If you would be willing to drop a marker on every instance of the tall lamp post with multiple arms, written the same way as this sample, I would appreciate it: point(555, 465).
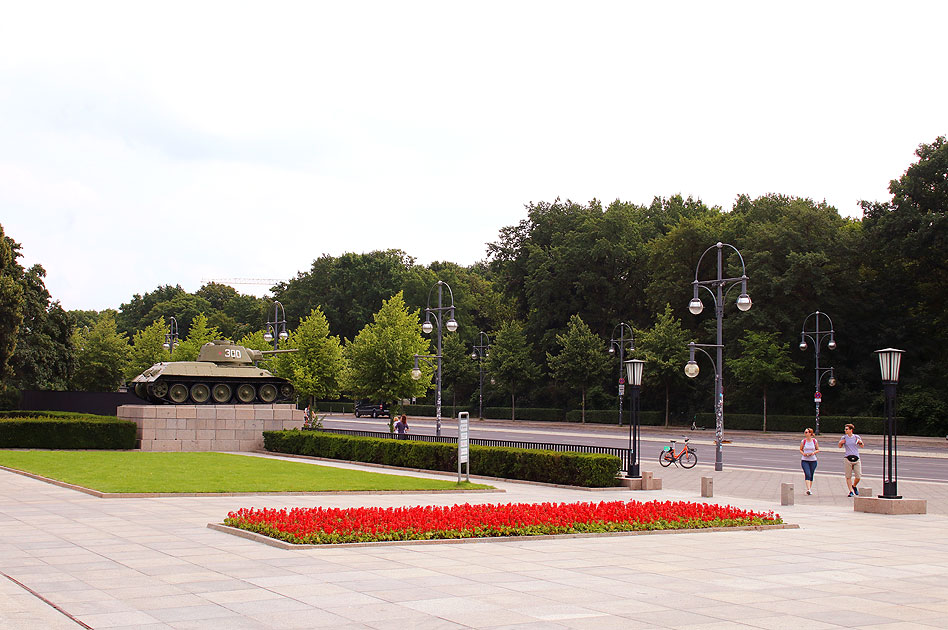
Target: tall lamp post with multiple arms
point(437, 314)
point(171, 337)
point(481, 349)
point(889, 360)
point(817, 336)
point(718, 288)
point(622, 344)
point(634, 369)
point(276, 330)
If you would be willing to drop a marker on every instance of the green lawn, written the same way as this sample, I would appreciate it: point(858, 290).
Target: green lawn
point(135, 471)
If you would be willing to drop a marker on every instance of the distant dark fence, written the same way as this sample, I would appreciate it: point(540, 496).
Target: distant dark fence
point(99, 403)
point(621, 453)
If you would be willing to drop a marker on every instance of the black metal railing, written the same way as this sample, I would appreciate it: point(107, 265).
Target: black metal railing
point(621, 453)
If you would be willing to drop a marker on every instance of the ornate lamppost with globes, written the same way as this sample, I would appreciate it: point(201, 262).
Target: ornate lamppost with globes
point(622, 344)
point(718, 288)
point(437, 314)
point(817, 336)
point(276, 330)
point(481, 350)
point(171, 337)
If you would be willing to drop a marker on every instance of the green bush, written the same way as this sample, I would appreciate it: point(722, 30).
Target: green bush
point(540, 414)
point(611, 416)
point(575, 469)
point(65, 430)
point(793, 424)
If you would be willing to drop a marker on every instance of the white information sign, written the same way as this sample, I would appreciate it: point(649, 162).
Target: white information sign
point(463, 444)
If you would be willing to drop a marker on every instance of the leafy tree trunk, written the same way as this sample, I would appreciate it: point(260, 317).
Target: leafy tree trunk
point(513, 406)
point(765, 410)
point(583, 414)
point(667, 401)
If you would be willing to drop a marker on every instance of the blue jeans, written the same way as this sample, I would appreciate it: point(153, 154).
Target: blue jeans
point(808, 469)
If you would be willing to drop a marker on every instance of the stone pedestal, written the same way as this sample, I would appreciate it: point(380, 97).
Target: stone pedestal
point(875, 505)
point(208, 427)
point(786, 494)
point(646, 482)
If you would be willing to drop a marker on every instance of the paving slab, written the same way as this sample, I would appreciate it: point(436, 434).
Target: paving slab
point(153, 563)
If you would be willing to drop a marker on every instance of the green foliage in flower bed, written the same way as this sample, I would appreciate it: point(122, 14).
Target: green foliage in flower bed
point(63, 430)
point(369, 524)
point(575, 469)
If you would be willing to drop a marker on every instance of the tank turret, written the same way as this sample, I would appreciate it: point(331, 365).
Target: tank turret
point(224, 373)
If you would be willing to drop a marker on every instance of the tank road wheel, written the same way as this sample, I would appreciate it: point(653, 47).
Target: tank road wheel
point(286, 390)
point(268, 392)
point(141, 391)
point(178, 393)
point(159, 389)
point(221, 393)
point(200, 393)
point(246, 393)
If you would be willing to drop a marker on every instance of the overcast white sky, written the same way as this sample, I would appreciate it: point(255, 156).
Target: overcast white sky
point(164, 143)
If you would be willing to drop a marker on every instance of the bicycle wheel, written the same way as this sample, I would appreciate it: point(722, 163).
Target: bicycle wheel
point(688, 459)
point(665, 458)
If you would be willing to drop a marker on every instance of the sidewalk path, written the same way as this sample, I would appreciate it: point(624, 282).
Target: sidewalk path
point(153, 563)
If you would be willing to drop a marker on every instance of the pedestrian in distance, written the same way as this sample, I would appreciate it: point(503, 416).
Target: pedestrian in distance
point(401, 427)
point(809, 447)
point(852, 465)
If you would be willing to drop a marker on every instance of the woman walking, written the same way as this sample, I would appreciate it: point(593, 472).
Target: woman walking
point(809, 447)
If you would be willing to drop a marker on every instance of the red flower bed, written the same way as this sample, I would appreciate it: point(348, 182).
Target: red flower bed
point(367, 524)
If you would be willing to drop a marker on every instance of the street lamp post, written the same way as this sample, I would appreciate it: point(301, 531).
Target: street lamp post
point(619, 343)
point(171, 337)
point(481, 350)
point(276, 330)
point(816, 336)
point(634, 369)
point(889, 360)
point(438, 313)
point(718, 288)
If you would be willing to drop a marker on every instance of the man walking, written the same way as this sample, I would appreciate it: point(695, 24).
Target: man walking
point(851, 464)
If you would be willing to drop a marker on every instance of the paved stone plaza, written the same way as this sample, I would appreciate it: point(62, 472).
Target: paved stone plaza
point(153, 563)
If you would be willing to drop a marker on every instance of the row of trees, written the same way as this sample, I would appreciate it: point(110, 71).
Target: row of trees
point(554, 286)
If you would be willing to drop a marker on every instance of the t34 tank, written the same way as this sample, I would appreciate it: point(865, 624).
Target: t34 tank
point(223, 373)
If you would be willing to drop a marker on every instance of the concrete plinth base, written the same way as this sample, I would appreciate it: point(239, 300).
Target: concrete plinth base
point(208, 427)
point(876, 505)
point(646, 482)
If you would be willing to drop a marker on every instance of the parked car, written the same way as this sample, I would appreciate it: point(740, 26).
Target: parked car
point(369, 408)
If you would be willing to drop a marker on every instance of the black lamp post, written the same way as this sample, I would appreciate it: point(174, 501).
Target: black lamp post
point(622, 344)
point(438, 313)
point(817, 336)
point(634, 369)
point(889, 361)
point(718, 288)
point(481, 350)
point(276, 330)
point(171, 337)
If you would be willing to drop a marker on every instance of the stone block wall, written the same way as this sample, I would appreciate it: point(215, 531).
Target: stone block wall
point(208, 427)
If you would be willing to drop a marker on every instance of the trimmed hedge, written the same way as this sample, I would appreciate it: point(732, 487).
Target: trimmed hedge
point(793, 424)
point(611, 416)
point(576, 469)
point(63, 430)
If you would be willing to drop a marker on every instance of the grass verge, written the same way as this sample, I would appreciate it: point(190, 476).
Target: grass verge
point(135, 471)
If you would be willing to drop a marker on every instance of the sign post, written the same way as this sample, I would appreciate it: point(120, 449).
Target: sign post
point(463, 444)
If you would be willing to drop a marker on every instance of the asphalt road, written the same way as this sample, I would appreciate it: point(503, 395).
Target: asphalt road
point(919, 460)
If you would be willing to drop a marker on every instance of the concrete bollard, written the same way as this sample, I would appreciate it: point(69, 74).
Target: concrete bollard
point(786, 494)
point(646, 480)
point(707, 486)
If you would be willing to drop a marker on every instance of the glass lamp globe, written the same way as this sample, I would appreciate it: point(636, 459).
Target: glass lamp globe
point(284, 335)
point(268, 336)
point(166, 346)
point(832, 381)
point(691, 369)
point(744, 302)
point(832, 344)
point(451, 325)
point(695, 306)
point(415, 373)
point(802, 345)
point(612, 349)
point(427, 328)
point(474, 355)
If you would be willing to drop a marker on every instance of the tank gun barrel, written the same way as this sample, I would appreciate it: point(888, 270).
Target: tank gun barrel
point(279, 351)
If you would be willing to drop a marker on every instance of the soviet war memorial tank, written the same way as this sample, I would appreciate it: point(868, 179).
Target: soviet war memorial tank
point(223, 373)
